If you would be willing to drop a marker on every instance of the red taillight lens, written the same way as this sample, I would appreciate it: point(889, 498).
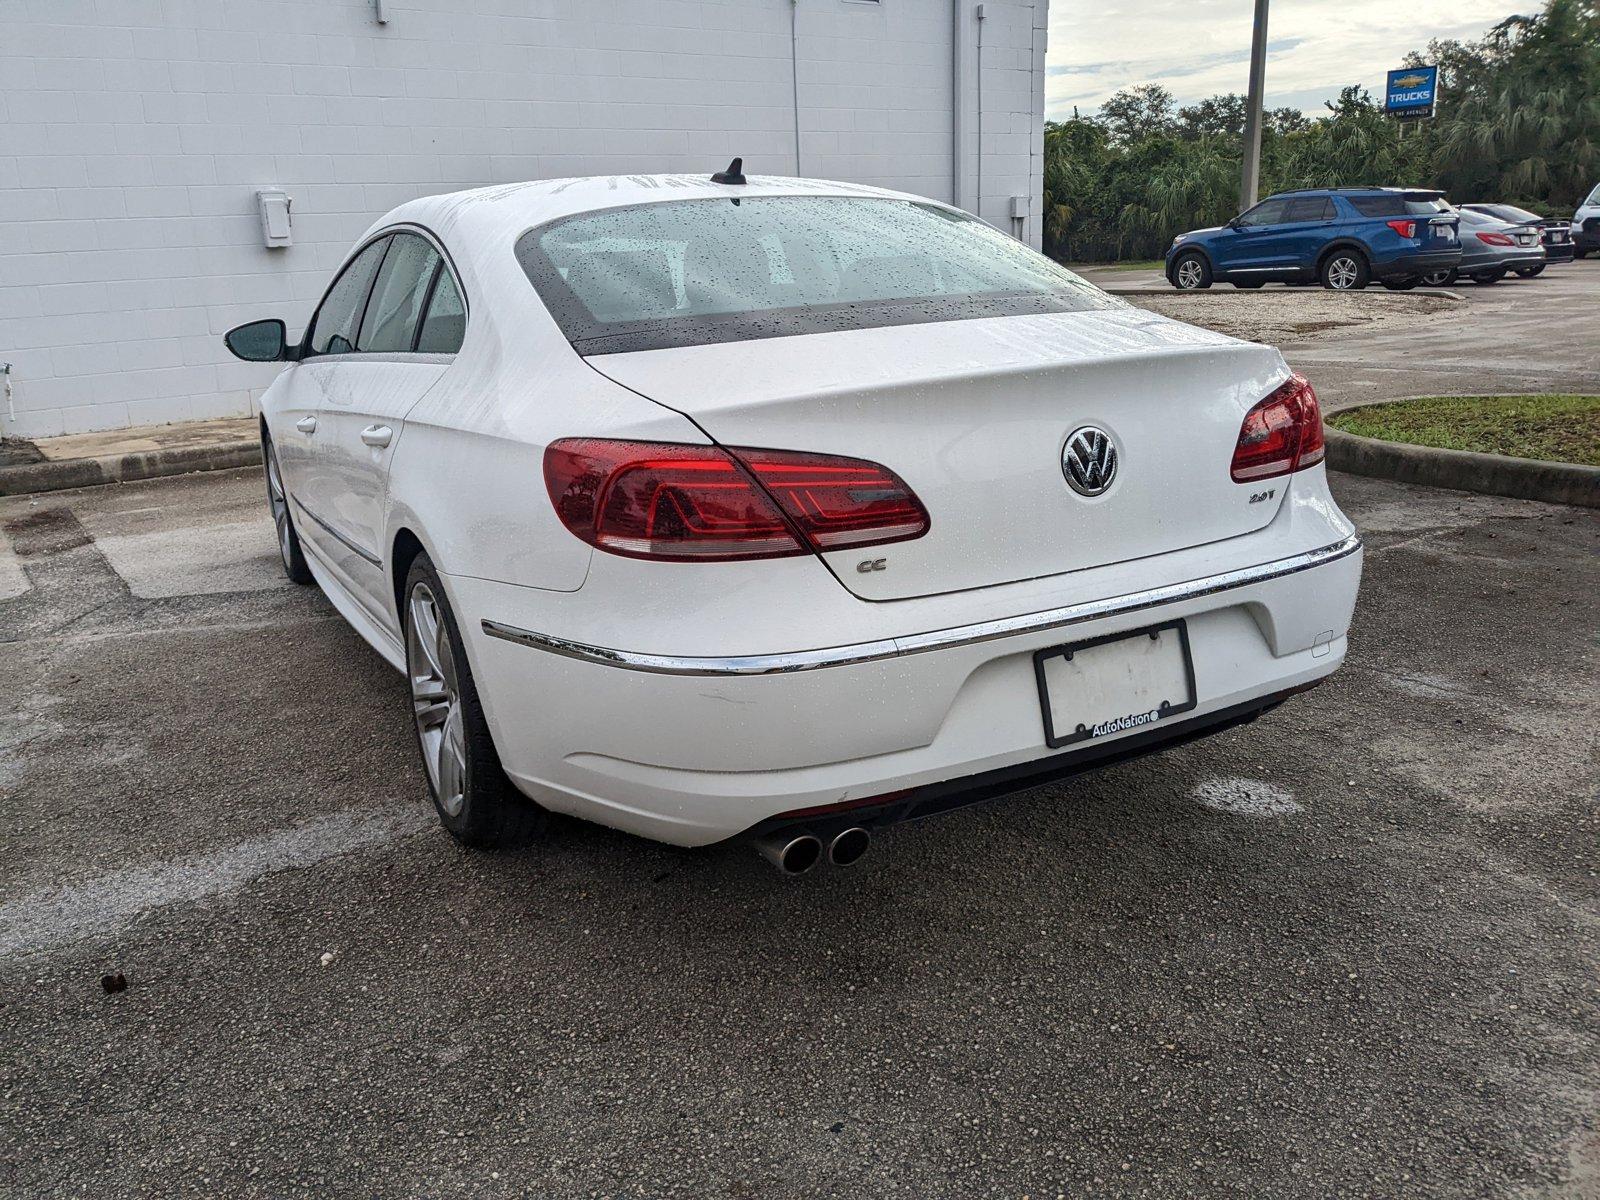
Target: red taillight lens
point(696, 503)
point(1281, 434)
point(837, 502)
point(1405, 229)
point(1497, 239)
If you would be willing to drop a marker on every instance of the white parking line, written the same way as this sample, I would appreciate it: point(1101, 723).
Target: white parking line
point(54, 917)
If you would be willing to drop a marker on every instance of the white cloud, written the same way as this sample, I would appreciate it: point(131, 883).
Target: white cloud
point(1196, 48)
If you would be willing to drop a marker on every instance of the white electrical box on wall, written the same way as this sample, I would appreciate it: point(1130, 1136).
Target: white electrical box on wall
point(1019, 208)
point(276, 228)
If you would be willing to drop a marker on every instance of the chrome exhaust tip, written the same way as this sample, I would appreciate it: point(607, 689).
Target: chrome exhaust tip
point(791, 853)
point(848, 846)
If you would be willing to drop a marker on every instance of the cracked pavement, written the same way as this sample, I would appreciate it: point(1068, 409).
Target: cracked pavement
point(1350, 950)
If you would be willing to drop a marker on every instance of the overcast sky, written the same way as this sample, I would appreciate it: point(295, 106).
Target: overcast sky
point(1196, 48)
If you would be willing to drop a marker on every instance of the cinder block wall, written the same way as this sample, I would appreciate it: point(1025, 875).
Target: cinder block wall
point(134, 135)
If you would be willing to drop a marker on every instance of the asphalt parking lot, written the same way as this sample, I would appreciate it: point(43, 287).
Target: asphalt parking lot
point(1348, 951)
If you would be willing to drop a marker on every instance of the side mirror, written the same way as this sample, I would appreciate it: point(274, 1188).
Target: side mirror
point(259, 341)
point(1235, 224)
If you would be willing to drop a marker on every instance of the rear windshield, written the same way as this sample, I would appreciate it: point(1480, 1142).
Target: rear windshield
point(691, 272)
point(1511, 213)
point(1397, 206)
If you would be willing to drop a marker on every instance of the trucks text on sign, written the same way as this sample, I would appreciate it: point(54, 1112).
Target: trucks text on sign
point(1411, 91)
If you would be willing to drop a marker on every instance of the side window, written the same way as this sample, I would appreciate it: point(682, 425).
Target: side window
point(446, 321)
point(1314, 209)
point(398, 295)
point(333, 328)
point(1379, 206)
point(1268, 212)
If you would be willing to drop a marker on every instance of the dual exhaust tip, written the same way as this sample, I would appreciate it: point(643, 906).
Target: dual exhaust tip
point(796, 853)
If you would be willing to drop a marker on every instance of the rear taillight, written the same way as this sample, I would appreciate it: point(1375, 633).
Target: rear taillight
point(1497, 239)
point(1281, 434)
point(696, 503)
point(1405, 229)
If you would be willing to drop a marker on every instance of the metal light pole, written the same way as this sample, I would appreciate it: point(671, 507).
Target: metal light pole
point(1250, 182)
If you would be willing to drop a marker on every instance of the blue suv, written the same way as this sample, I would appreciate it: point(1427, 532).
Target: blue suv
point(1343, 238)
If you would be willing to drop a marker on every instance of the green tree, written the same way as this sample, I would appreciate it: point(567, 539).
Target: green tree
point(1138, 112)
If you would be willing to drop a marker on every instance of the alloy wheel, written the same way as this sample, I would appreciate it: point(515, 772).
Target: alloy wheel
point(436, 699)
point(1437, 279)
point(1342, 273)
point(1189, 273)
point(278, 500)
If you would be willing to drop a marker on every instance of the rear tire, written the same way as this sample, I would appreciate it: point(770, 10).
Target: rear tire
point(1441, 278)
point(1345, 271)
point(1485, 278)
point(474, 798)
point(1191, 273)
point(289, 552)
point(1532, 272)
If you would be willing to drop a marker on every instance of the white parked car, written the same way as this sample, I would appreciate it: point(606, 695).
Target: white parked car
point(1586, 224)
point(786, 509)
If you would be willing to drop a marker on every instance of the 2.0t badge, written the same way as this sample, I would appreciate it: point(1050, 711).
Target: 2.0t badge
point(1089, 460)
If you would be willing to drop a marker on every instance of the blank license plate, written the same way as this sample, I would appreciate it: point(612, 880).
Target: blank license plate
point(1115, 684)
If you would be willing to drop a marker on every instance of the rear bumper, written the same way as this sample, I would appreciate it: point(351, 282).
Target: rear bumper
point(1561, 252)
point(693, 748)
point(936, 798)
point(1417, 264)
point(1505, 262)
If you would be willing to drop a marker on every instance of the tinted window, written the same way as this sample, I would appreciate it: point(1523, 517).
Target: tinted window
point(1319, 209)
point(688, 272)
point(397, 298)
point(446, 321)
point(1379, 206)
point(1509, 212)
point(333, 329)
point(1268, 212)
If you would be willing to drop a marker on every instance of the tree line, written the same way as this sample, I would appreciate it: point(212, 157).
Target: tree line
point(1518, 122)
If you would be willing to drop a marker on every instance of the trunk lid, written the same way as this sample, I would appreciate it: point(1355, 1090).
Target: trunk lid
point(974, 415)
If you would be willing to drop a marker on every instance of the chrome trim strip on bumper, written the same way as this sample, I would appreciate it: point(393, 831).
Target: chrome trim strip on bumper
point(921, 643)
point(336, 535)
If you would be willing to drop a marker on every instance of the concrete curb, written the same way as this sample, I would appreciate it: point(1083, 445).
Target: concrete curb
point(54, 476)
point(1463, 470)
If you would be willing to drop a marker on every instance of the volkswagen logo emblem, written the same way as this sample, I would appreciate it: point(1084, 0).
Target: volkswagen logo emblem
point(1089, 461)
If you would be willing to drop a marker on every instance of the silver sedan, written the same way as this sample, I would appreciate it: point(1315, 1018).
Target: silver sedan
point(1491, 249)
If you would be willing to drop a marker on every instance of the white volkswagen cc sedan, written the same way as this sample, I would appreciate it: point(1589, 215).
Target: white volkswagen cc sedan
point(789, 509)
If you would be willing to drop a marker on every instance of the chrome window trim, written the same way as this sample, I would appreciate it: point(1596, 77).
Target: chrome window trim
point(922, 643)
point(388, 230)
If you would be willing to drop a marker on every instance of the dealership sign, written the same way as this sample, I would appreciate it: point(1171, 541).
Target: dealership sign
point(1411, 91)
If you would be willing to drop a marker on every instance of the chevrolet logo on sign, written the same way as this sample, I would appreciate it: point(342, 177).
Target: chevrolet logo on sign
point(1411, 91)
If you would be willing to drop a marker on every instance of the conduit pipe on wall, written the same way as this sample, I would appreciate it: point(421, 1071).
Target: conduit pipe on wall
point(794, 75)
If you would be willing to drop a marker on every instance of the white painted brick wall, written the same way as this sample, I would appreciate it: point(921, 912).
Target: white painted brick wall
point(135, 133)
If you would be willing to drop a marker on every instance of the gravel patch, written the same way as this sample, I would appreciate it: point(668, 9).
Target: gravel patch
point(1292, 314)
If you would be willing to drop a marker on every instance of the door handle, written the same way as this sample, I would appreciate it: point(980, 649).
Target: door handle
point(306, 424)
point(377, 435)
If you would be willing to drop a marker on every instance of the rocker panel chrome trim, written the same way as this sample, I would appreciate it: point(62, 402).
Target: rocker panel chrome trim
point(341, 538)
point(922, 643)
